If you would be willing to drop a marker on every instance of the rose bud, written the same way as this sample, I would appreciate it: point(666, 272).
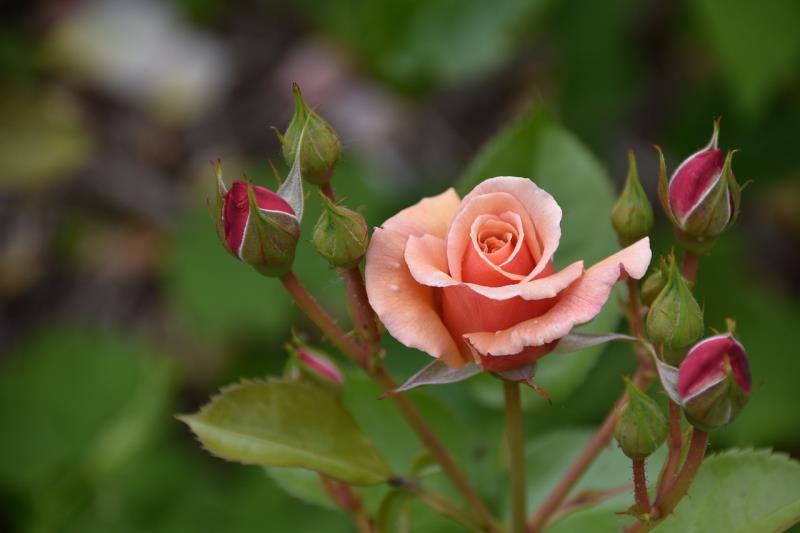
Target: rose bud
point(641, 426)
point(318, 366)
point(714, 381)
point(321, 145)
point(674, 320)
point(341, 235)
point(654, 284)
point(632, 215)
point(257, 226)
point(702, 197)
point(473, 280)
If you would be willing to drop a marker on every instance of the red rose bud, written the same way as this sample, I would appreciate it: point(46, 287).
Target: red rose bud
point(257, 226)
point(318, 366)
point(674, 320)
point(632, 215)
point(702, 197)
point(714, 381)
point(641, 426)
point(341, 235)
point(321, 146)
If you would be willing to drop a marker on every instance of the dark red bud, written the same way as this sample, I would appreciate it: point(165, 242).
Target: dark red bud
point(236, 211)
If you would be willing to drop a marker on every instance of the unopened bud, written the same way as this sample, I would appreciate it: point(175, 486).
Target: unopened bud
point(320, 148)
point(714, 381)
point(641, 426)
point(674, 319)
point(257, 226)
point(318, 365)
point(632, 215)
point(654, 284)
point(341, 235)
point(702, 197)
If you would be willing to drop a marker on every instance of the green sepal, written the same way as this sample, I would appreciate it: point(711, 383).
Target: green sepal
point(632, 215)
point(322, 148)
point(641, 426)
point(270, 239)
point(674, 319)
point(663, 186)
point(341, 235)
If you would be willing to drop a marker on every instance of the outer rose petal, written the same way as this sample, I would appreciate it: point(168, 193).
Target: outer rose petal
point(429, 215)
point(541, 207)
point(405, 307)
point(580, 303)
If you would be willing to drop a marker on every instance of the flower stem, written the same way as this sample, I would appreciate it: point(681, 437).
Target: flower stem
point(694, 458)
point(362, 357)
point(349, 501)
point(641, 379)
point(690, 265)
point(517, 455)
point(640, 486)
point(675, 444)
point(360, 310)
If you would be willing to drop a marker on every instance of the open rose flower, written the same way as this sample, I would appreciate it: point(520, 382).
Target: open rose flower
point(473, 279)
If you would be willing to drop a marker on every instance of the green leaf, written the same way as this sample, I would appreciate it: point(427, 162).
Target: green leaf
point(538, 148)
point(291, 423)
point(740, 491)
point(77, 405)
point(305, 485)
point(757, 44)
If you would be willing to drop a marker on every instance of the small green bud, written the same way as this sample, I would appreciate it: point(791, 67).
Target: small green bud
point(641, 427)
point(653, 284)
point(321, 145)
point(632, 215)
point(341, 235)
point(674, 319)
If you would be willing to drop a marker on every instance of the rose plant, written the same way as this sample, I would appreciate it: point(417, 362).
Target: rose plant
point(473, 283)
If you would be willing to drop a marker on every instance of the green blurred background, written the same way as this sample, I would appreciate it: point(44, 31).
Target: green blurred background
point(120, 308)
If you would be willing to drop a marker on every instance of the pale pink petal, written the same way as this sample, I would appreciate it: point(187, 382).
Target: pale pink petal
point(405, 307)
point(578, 304)
point(459, 235)
point(427, 261)
point(429, 215)
point(543, 212)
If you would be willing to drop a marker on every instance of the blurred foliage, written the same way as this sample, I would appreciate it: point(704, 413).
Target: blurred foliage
point(98, 354)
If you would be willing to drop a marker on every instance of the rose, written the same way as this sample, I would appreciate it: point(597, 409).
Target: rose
point(473, 279)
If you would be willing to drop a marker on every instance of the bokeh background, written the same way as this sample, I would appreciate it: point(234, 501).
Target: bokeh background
point(119, 308)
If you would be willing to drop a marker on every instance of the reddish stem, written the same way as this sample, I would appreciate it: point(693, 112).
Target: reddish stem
point(675, 443)
point(602, 436)
point(640, 486)
point(360, 310)
point(690, 265)
point(349, 501)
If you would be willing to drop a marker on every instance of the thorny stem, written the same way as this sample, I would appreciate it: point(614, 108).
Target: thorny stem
point(516, 454)
point(363, 316)
point(349, 501)
point(641, 379)
point(308, 304)
point(694, 458)
point(640, 486)
point(675, 444)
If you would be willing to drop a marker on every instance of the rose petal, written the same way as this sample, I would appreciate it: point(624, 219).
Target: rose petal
point(503, 266)
point(427, 261)
point(235, 212)
point(405, 307)
point(429, 215)
point(459, 235)
point(693, 180)
point(705, 365)
point(543, 212)
point(578, 304)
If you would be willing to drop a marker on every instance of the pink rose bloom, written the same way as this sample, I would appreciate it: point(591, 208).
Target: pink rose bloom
point(473, 279)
